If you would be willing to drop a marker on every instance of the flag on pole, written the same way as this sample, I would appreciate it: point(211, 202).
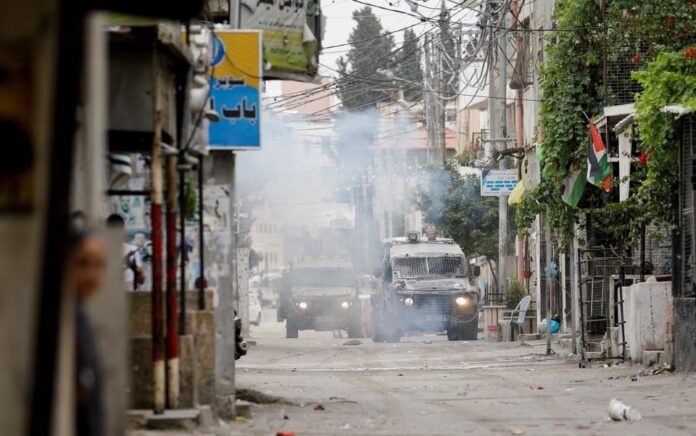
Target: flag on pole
point(517, 194)
point(599, 171)
point(574, 184)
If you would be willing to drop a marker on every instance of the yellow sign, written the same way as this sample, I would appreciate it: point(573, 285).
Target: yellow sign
point(237, 54)
point(236, 89)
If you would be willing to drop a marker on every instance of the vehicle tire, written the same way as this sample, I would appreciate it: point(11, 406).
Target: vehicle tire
point(377, 328)
point(393, 336)
point(383, 330)
point(469, 331)
point(464, 332)
point(454, 333)
point(355, 321)
point(354, 329)
point(291, 330)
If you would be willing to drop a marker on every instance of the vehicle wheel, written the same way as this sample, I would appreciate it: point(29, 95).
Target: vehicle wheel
point(464, 332)
point(383, 330)
point(355, 322)
point(377, 328)
point(454, 333)
point(291, 330)
point(393, 336)
point(354, 329)
point(469, 331)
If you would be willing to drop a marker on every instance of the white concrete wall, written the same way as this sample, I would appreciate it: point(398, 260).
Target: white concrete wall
point(644, 309)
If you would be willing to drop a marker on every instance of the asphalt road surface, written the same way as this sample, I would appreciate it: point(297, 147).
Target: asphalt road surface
point(425, 385)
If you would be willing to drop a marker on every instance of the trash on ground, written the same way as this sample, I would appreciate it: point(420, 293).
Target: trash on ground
point(257, 397)
point(619, 411)
point(536, 387)
point(319, 407)
point(353, 342)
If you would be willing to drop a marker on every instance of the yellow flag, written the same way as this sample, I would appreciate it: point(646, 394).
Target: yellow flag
point(517, 193)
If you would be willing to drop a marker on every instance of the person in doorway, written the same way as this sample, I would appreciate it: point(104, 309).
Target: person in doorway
point(133, 273)
point(85, 272)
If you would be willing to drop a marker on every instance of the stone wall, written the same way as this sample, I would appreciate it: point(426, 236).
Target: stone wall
point(196, 352)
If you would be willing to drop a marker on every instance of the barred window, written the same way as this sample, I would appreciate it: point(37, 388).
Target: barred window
point(419, 267)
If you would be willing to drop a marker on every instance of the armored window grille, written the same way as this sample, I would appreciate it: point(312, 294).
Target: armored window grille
point(411, 267)
point(407, 267)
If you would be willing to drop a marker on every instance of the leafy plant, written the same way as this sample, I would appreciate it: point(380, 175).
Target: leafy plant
point(453, 203)
point(645, 34)
point(514, 292)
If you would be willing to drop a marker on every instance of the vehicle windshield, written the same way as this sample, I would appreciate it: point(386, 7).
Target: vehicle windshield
point(324, 277)
point(428, 267)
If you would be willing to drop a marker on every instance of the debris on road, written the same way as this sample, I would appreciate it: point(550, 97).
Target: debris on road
point(619, 411)
point(319, 407)
point(536, 387)
point(353, 342)
point(257, 397)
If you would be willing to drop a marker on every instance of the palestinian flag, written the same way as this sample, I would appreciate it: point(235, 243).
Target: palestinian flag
point(574, 184)
point(599, 171)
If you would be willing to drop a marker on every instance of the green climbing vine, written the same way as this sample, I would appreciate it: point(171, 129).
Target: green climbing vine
point(655, 37)
point(571, 74)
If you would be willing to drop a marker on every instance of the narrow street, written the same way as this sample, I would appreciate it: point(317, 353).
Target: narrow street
point(427, 385)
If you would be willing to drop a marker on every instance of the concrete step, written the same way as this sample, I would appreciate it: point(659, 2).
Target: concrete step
point(178, 419)
point(242, 408)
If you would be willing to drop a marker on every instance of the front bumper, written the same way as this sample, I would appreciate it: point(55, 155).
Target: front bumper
point(434, 311)
point(323, 314)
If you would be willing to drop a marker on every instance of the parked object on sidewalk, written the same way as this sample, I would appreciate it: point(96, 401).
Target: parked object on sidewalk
point(619, 411)
point(241, 345)
point(555, 326)
point(254, 309)
point(510, 321)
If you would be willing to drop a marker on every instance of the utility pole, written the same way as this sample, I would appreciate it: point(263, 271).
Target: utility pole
point(497, 89)
point(171, 307)
point(502, 124)
point(429, 99)
point(440, 97)
point(157, 304)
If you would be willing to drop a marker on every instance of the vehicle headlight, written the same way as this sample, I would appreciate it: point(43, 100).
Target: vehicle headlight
point(462, 301)
point(408, 301)
point(345, 305)
point(302, 305)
